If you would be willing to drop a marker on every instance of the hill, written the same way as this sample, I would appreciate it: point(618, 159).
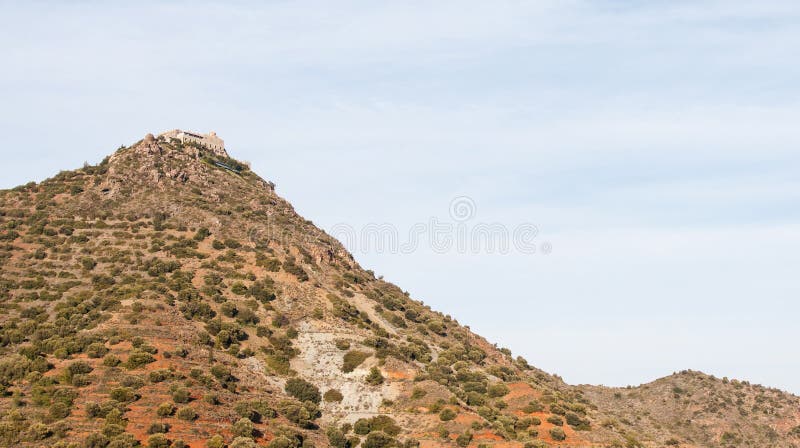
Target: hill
point(169, 297)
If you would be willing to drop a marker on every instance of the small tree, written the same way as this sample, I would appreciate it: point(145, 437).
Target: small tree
point(333, 396)
point(447, 414)
point(243, 428)
point(374, 378)
point(557, 434)
point(303, 390)
point(216, 442)
point(186, 413)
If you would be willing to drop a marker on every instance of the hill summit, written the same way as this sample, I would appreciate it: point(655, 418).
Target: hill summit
point(169, 297)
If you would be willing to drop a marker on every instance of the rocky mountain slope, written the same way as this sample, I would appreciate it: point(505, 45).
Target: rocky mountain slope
point(169, 297)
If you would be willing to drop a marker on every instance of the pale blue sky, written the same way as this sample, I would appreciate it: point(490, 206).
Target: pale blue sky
point(654, 144)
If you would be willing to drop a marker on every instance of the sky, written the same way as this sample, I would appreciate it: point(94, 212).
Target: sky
point(653, 145)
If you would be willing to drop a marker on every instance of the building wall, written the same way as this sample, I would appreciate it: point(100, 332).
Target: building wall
point(210, 141)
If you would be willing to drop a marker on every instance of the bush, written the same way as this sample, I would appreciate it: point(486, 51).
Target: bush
point(298, 413)
point(96, 350)
point(138, 359)
point(557, 434)
point(78, 368)
point(556, 420)
point(281, 442)
point(59, 410)
point(165, 409)
point(243, 428)
point(464, 439)
point(239, 289)
point(157, 441)
point(123, 394)
point(186, 413)
point(577, 422)
point(447, 414)
point(158, 428)
point(217, 441)
point(374, 378)
point(111, 361)
point(95, 440)
point(333, 396)
point(378, 440)
point(303, 390)
point(37, 431)
point(353, 359)
point(125, 441)
point(533, 406)
point(498, 390)
point(157, 376)
point(211, 399)
point(181, 395)
point(336, 438)
point(202, 233)
point(243, 442)
point(382, 423)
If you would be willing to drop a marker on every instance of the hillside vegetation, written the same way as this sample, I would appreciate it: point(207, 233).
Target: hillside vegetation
point(168, 297)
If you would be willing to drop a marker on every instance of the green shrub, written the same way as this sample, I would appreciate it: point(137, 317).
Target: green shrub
point(557, 434)
point(37, 431)
point(123, 394)
point(181, 395)
point(336, 438)
point(157, 441)
point(447, 414)
point(158, 428)
point(239, 289)
point(303, 390)
point(577, 421)
point(298, 413)
point(186, 413)
point(165, 409)
point(353, 359)
point(498, 390)
point(79, 367)
point(217, 441)
point(292, 268)
point(555, 420)
point(111, 361)
point(464, 439)
point(157, 376)
point(378, 440)
point(138, 359)
point(96, 350)
point(202, 234)
point(95, 440)
point(59, 410)
point(243, 428)
point(333, 396)
point(533, 406)
point(282, 442)
point(243, 442)
point(374, 377)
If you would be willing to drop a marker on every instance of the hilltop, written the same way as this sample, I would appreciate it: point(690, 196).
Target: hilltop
point(169, 297)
